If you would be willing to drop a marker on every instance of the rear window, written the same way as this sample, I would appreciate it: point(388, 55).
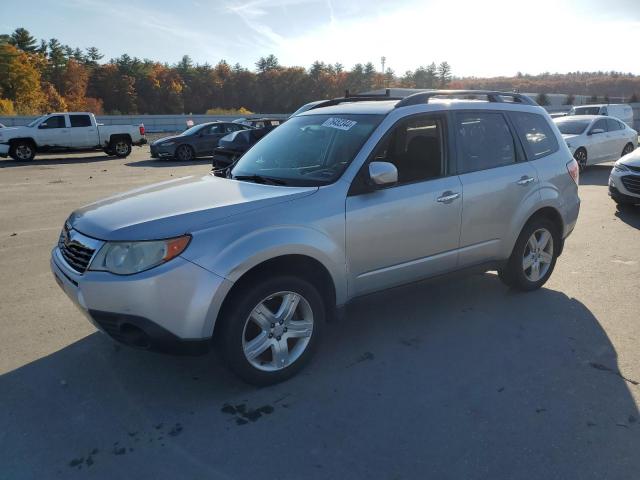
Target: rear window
point(536, 134)
point(586, 111)
point(80, 120)
point(572, 127)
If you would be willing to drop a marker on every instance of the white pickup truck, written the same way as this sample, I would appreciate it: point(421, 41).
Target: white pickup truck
point(73, 131)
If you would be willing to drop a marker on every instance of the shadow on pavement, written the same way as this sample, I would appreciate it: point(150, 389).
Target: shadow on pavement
point(457, 380)
point(629, 214)
point(596, 175)
point(65, 160)
point(162, 163)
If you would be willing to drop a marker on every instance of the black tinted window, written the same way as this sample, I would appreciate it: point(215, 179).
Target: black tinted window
point(613, 125)
point(415, 148)
point(536, 135)
point(80, 120)
point(484, 141)
point(57, 121)
point(600, 124)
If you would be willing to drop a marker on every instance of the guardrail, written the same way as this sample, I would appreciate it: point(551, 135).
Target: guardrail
point(152, 123)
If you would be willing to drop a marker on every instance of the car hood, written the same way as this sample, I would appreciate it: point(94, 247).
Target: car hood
point(7, 133)
point(172, 208)
point(631, 159)
point(568, 137)
point(164, 139)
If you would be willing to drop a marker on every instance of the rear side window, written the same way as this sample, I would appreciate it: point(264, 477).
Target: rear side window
point(484, 141)
point(614, 125)
point(80, 120)
point(535, 133)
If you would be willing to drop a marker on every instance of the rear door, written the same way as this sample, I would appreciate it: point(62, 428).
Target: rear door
point(496, 180)
point(83, 133)
point(409, 230)
point(619, 138)
point(54, 132)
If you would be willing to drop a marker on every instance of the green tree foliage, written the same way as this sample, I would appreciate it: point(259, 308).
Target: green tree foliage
point(23, 40)
point(444, 74)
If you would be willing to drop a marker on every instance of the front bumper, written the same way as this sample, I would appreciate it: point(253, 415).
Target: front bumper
point(171, 308)
point(4, 150)
point(624, 186)
point(158, 151)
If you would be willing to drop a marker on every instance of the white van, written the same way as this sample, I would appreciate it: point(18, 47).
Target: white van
point(621, 111)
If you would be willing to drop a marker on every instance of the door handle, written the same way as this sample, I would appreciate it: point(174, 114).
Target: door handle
point(525, 180)
point(448, 197)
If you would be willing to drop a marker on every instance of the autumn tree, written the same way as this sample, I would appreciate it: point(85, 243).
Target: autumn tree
point(20, 81)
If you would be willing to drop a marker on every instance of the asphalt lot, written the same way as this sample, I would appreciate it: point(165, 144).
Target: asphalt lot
point(462, 379)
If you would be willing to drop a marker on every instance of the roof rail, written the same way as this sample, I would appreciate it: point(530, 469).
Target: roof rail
point(357, 97)
point(492, 96)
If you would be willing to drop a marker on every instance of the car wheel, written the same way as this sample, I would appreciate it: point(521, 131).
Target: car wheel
point(270, 329)
point(534, 256)
point(23, 151)
point(581, 157)
point(121, 147)
point(628, 148)
point(184, 153)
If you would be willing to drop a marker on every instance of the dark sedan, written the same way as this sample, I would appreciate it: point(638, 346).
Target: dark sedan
point(198, 141)
point(234, 145)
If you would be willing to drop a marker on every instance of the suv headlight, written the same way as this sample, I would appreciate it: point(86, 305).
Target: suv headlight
point(619, 167)
point(126, 258)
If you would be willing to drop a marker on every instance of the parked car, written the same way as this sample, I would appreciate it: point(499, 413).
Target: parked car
point(69, 132)
point(197, 141)
point(621, 111)
point(336, 203)
point(595, 139)
point(624, 180)
point(234, 145)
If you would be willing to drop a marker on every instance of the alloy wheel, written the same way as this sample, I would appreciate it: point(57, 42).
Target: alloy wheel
point(277, 331)
point(538, 255)
point(24, 152)
point(581, 158)
point(122, 148)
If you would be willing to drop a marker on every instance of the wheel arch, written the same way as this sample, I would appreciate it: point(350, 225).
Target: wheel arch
point(13, 141)
point(300, 265)
point(551, 214)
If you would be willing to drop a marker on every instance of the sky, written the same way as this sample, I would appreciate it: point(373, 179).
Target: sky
point(483, 39)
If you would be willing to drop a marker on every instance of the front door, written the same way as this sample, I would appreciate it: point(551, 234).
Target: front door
point(53, 132)
point(410, 230)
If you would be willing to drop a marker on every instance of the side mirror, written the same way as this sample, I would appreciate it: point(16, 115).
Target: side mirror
point(383, 173)
point(43, 125)
point(595, 131)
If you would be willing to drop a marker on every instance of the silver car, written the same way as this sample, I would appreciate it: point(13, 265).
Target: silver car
point(340, 201)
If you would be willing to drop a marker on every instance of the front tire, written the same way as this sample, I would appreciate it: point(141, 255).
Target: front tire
point(184, 153)
point(534, 256)
point(581, 157)
point(23, 151)
point(121, 147)
point(270, 328)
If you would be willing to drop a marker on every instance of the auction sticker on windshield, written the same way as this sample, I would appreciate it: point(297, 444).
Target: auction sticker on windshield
point(339, 123)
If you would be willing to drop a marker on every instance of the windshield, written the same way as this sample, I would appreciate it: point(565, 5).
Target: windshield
point(308, 150)
point(192, 130)
point(585, 111)
point(33, 123)
point(573, 127)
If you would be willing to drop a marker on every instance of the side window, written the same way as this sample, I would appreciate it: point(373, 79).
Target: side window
point(215, 129)
point(613, 125)
point(536, 135)
point(415, 147)
point(484, 141)
point(56, 121)
point(600, 124)
point(80, 120)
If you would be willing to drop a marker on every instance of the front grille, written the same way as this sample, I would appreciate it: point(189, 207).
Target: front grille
point(75, 253)
point(631, 183)
point(633, 169)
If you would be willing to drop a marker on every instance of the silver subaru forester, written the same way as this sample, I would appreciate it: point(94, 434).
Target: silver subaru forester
point(355, 195)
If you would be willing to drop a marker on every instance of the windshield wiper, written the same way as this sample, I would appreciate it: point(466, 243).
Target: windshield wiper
point(259, 179)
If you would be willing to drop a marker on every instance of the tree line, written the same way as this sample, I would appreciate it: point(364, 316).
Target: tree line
point(41, 76)
point(38, 76)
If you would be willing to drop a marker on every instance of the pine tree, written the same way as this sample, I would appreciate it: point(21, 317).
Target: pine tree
point(444, 74)
point(22, 39)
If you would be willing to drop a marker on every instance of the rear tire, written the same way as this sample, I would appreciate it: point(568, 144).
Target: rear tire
point(628, 148)
point(22, 151)
point(121, 147)
point(258, 340)
point(534, 256)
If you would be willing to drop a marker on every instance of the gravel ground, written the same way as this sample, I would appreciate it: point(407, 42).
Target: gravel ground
point(456, 379)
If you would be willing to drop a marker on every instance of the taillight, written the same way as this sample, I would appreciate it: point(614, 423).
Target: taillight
point(574, 171)
point(141, 127)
